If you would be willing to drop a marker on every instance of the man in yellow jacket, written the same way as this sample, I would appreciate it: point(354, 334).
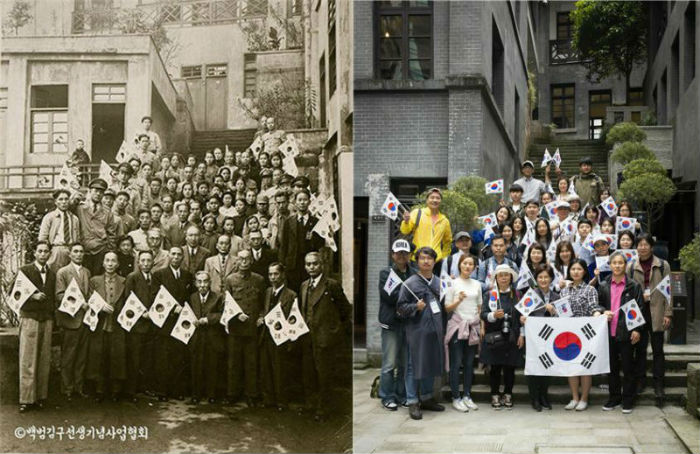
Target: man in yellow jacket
point(429, 227)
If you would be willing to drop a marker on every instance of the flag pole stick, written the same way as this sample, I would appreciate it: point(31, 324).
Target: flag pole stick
point(409, 289)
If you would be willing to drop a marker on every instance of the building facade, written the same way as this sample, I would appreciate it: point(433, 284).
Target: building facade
point(441, 92)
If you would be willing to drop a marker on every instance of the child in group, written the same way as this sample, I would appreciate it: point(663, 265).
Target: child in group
point(602, 249)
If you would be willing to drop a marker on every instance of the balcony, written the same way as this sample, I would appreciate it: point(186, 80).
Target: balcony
point(180, 13)
point(561, 52)
point(22, 182)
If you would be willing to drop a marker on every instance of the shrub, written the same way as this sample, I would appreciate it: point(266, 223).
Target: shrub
point(624, 132)
point(631, 151)
point(690, 257)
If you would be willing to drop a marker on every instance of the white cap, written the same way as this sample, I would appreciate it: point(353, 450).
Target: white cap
point(401, 246)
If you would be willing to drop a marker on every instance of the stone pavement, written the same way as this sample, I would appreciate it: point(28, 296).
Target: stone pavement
point(521, 430)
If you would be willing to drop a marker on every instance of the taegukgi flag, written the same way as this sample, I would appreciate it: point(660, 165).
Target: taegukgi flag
point(494, 187)
point(665, 287)
point(546, 158)
point(21, 291)
point(623, 223)
point(557, 158)
point(529, 303)
point(131, 312)
point(609, 206)
point(185, 326)
point(633, 314)
point(231, 309)
point(566, 347)
point(161, 307)
point(628, 253)
point(73, 299)
point(390, 208)
point(392, 282)
point(277, 323)
point(296, 326)
point(563, 307)
point(551, 208)
point(488, 220)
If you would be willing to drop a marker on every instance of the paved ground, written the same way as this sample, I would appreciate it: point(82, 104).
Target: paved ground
point(521, 430)
point(176, 427)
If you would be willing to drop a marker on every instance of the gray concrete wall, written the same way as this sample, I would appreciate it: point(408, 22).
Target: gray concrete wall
point(659, 140)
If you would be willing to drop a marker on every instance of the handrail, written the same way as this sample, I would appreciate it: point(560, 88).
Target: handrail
point(41, 177)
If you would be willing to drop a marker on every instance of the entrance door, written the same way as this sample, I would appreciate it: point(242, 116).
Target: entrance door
point(215, 95)
point(107, 131)
point(598, 101)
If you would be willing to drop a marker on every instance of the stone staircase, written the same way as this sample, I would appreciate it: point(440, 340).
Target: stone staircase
point(236, 139)
point(571, 151)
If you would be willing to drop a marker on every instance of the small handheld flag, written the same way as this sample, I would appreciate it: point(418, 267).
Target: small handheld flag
point(494, 187)
point(488, 220)
point(623, 223)
point(231, 309)
point(72, 300)
point(257, 146)
point(571, 190)
point(297, 327)
point(629, 253)
point(290, 147)
point(277, 324)
point(633, 314)
point(445, 286)
point(557, 158)
point(161, 307)
point(96, 303)
point(185, 326)
point(602, 263)
point(390, 208)
point(563, 307)
point(529, 303)
point(392, 282)
point(546, 158)
point(493, 300)
point(609, 206)
point(122, 153)
point(21, 291)
point(665, 287)
point(131, 312)
point(524, 276)
point(551, 208)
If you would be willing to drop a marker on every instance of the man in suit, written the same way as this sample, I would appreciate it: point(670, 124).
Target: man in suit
point(247, 289)
point(194, 254)
point(35, 328)
point(170, 354)
point(298, 239)
point(74, 346)
point(60, 228)
point(106, 357)
point(262, 255)
point(160, 255)
point(221, 265)
point(139, 341)
point(175, 233)
point(208, 342)
point(328, 315)
point(140, 235)
point(278, 364)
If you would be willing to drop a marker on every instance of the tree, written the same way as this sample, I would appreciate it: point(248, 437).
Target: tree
point(625, 132)
point(646, 186)
point(610, 37)
point(690, 257)
point(631, 151)
point(18, 16)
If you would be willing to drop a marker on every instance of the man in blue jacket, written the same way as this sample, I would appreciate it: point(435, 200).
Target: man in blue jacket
point(392, 389)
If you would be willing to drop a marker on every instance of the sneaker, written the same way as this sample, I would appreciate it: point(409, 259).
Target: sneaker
point(496, 402)
point(611, 405)
point(458, 405)
point(571, 405)
point(508, 401)
point(626, 409)
point(582, 405)
point(469, 403)
point(390, 405)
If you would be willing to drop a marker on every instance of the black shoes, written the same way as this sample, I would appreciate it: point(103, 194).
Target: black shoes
point(659, 394)
point(414, 411)
point(544, 402)
point(432, 405)
point(536, 405)
point(611, 404)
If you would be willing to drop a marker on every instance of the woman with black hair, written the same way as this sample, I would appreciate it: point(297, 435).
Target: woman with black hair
point(543, 234)
point(625, 240)
point(584, 303)
point(563, 258)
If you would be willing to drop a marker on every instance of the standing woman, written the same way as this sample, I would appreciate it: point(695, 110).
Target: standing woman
point(462, 333)
point(538, 385)
point(584, 303)
point(511, 249)
point(564, 256)
point(613, 292)
point(502, 343)
point(543, 234)
point(593, 215)
point(536, 255)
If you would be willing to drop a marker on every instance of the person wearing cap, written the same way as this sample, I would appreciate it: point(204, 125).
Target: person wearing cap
point(392, 389)
point(124, 183)
point(532, 187)
point(59, 228)
point(516, 195)
point(498, 257)
point(463, 243)
point(429, 227)
point(587, 184)
point(575, 204)
point(498, 312)
point(98, 227)
point(602, 249)
point(281, 212)
point(262, 205)
point(563, 211)
point(272, 138)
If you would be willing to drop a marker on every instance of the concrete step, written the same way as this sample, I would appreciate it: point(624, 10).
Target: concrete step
point(674, 378)
point(561, 395)
point(236, 139)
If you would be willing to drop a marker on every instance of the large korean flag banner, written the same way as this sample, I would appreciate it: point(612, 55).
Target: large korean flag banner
point(566, 347)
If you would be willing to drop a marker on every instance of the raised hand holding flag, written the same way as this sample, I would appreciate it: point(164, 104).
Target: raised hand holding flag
point(390, 208)
point(494, 187)
point(633, 314)
point(609, 206)
point(546, 158)
point(557, 158)
point(488, 220)
point(529, 303)
point(629, 253)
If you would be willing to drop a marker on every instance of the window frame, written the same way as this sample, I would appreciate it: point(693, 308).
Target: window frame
point(569, 25)
point(110, 94)
point(250, 69)
point(404, 10)
point(190, 76)
point(563, 97)
point(51, 112)
point(332, 41)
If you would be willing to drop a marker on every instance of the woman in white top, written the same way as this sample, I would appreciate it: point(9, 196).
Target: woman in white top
point(462, 333)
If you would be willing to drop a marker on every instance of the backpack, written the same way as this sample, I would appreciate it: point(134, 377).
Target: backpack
point(630, 273)
point(409, 236)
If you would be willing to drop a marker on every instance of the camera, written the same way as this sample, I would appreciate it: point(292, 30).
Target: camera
point(506, 323)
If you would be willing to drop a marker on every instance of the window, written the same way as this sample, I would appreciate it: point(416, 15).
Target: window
point(497, 66)
point(109, 93)
point(250, 75)
point(690, 38)
point(322, 87)
point(563, 105)
point(636, 97)
point(218, 70)
point(331, 48)
point(565, 26)
point(191, 72)
point(49, 119)
point(404, 44)
point(598, 101)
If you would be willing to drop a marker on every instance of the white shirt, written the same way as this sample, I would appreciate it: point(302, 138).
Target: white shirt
point(41, 271)
point(468, 309)
point(278, 290)
point(77, 268)
point(176, 272)
point(314, 281)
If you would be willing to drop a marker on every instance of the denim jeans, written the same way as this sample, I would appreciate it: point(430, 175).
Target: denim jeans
point(392, 388)
point(461, 354)
point(425, 385)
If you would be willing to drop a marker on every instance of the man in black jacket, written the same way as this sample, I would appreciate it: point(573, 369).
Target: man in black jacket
point(392, 389)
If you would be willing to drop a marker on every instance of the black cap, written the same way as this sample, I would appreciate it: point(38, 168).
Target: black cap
point(301, 180)
point(98, 183)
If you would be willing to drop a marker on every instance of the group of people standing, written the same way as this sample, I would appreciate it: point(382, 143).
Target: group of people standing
point(233, 223)
point(458, 297)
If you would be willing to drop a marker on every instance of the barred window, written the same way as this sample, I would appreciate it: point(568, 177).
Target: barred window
point(331, 48)
point(49, 119)
point(190, 72)
point(218, 70)
point(109, 93)
point(563, 105)
point(250, 75)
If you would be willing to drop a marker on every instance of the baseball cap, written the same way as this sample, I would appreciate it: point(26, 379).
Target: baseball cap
point(460, 235)
point(401, 246)
point(527, 163)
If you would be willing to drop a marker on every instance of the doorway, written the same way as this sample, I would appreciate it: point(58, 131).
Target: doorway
point(107, 131)
point(598, 101)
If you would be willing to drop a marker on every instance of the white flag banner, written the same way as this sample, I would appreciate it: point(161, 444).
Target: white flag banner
point(633, 314)
point(392, 282)
point(563, 307)
point(289, 165)
point(185, 326)
point(623, 223)
point(296, 326)
point(530, 302)
point(609, 206)
point(325, 231)
point(21, 291)
point(551, 208)
point(528, 239)
point(72, 300)
point(231, 309)
point(494, 187)
point(488, 220)
point(588, 244)
point(493, 300)
point(106, 173)
point(630, 254)
point(566, 346)
point(530, 225)
point(603, 263)
point(551, 251)
point(122, 153)
point(557, 278)
point(571, 190)
point(489, 233)
point(557, 158)
point(66, 180)
point(390, 208)
point(665, 287)
point(330, 212)
point(92, 316)
point(161, 307)
point(445, 286)
point(611, 239)
point(567, 228)
point(91, 319)
point(316, 204)
point(257, 146)
point(131, 312)
point(277, 324)
point(546, 158)
point(524, 276)
point(290, 147)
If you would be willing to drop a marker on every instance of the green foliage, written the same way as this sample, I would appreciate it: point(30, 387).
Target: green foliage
point(18, 16)
point(690, 257)
point(459, 209)
point(631, 151)
point(649, 118)
point(288, 99)
point(473, 188)
point(532, 89)
point(625, 132)
point(641, 166)
point(610, 37)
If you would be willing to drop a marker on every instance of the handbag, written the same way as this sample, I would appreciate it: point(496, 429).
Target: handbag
point(495, 339)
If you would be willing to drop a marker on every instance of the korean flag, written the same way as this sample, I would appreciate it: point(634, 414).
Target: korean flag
point(494, 187)
point(131, 312)
point(493, 300)
point(277, 324)
point(557, 158)
point(551, 208)
point(524, 276)
point(185, 326)
point(297, 327)
point(563, 307)
point(546, 158)
point(231, 309)
point(529, 303)
point(633, 314)
point(290, 147)
point(629, 253)
point(623, 223)
point(161, 307)
point(609, 206)
point(21, 291)
point(566, 346)
point(73, 299)
point(488, 220)
point(445, 286)
point(390, 208)
point(392, 282)
point(665, 287)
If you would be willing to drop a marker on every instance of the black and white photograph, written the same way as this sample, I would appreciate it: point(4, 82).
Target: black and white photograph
point(176, 267)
